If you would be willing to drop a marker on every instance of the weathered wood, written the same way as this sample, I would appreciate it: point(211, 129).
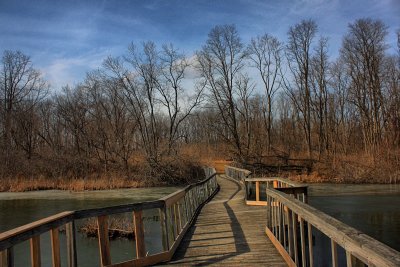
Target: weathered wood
point(164, 227)
point(55, 247)
point(296, 251)
point(7, 257)
point(96, 212)
point(280, 248)
point(227, 232)
point(310, 246)
point(71, 244)
point(334, 254)
point(25, 232)
point(104, 243)
point(302, 242)
point(35, 251)
point(257, 191)
point(361, 246)
point(139, 235)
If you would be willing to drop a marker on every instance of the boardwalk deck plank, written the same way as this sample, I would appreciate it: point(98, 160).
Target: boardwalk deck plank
point(227, 232)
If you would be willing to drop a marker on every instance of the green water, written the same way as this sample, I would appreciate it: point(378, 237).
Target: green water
point(372, 209)
point(20, 208)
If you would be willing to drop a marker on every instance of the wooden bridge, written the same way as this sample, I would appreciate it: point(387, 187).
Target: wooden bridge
point(231, 219)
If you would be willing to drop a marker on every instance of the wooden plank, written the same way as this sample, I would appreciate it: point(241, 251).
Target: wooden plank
point(139, 235)
point(71, 244)
point(256, 203)
point(310, 246)
point(7, 257)
point(257, 191)
point(88, 213)
point(174, 197)
point(296, 251)
point(25, 232)
point(334, 254)
point(104, 243)
point(280, 248)
point(55, 247)
point(164, 227)
point(361, 246)
point(349, 259)
point(290, 233)
point(302, 242)
point(148, 261)
point(35, 251)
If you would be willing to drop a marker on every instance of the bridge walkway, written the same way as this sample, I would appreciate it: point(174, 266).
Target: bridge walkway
point(227, 232)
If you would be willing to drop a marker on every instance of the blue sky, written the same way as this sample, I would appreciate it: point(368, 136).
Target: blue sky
point(67, 38)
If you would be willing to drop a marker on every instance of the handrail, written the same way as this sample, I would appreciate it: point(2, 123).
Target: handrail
point(290, 222)
point(177, 212)
point(286, 215)
point(243, 176)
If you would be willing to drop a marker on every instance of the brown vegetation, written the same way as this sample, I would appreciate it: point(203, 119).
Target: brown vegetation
point(118, 227)
point(142, 119)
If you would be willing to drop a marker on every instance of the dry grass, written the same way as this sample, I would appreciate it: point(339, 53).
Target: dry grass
point(41, 183)
point(117, 227)
point(357, 168)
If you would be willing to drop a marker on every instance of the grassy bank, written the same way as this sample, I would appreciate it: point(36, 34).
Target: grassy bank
point(41, 183)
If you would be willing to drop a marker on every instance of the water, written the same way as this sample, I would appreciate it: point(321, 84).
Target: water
point(21, 208)
point(372, 209)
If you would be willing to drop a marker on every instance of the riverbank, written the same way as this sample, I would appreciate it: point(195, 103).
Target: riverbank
point(41, 183)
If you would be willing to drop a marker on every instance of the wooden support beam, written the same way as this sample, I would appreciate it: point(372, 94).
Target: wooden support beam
point(7, 257)
point(35, 251)
point(71, 244)
point(257, 191)
point(310, 245)
point(302, 242)
point(55, 247)
point(164, 229)
point(139, 234)
point(334, 254)
point(104, 243)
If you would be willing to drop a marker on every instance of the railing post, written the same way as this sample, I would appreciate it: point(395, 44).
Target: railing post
point(296, 251)
point(257, 191)
point(302, 242)
point(164, 228)
point(7, 257)
point(104, 243)
point(290, 233)
point(55, 247)
point(310, 247)
point(35, 251)
point(71, 244)
point(334, 254)
point(139, 234)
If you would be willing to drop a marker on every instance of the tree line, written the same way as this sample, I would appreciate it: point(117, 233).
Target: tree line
point(245, 101)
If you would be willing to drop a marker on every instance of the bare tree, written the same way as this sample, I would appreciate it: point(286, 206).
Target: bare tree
point(265, 53)
point(220, 62)
point(298, 51)
point(21, 88)
point(319, 86)
point(363, 51)
point(178, 103)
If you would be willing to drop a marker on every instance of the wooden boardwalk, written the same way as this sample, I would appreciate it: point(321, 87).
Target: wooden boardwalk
point(227, 232)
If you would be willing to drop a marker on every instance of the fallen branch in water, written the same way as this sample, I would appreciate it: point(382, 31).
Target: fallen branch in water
point(117, 228)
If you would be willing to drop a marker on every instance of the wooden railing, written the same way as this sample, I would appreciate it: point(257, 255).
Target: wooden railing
point(255, 187)
point(290, 223)
point(177, 212)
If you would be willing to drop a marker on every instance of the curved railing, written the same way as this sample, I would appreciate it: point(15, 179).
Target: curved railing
point(291, 224)
point(176, 210)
